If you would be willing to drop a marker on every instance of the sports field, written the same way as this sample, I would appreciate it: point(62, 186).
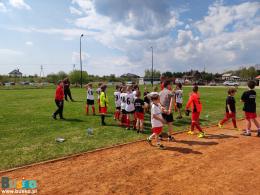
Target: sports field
point(27, 131)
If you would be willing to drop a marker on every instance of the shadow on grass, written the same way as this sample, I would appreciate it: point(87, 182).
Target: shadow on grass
point(73, 120)
point(182, 150)
point(191, 143)
point(219, 136)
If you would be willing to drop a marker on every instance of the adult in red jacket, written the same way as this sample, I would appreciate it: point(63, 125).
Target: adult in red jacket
point(59, 100)
point(196, 108)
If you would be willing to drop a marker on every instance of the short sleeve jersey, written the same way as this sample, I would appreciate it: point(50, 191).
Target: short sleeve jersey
point(249, 99)
point(139, 103)
point(232, 104)
point(117, 98)
point(178, 95)
point(123, 100)
point(165, 97)
point(156, 110)
point(130, 99)
point(90, 94)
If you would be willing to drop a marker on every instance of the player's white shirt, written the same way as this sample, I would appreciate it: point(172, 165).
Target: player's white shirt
point(130, 100)
point(98, 91)
point(90, 94)
point(178, 96)
point(123, 100)
point(156, 110)
point(117, 98)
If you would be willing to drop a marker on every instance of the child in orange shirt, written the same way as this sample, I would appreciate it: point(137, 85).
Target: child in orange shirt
point(195, 104)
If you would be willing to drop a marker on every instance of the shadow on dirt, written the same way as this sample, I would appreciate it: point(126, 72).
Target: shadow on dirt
point(219, 136)
point(182, 150)
point(191, 143)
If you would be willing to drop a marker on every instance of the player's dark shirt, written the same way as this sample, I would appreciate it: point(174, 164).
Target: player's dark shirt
point(139, 103)
point(232, 104)
point(248, 97)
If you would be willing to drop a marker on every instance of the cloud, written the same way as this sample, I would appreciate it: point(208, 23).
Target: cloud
point(29, 43)
point(3, 7)
point(220, 17)
point(75, 11)
point(19, 4)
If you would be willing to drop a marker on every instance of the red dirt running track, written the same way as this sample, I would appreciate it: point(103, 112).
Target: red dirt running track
point(223, 163)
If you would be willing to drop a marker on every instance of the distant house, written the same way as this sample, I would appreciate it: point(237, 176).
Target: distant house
point(15, 73)
point(226, 76)
point(192, 76)
point(129, 75)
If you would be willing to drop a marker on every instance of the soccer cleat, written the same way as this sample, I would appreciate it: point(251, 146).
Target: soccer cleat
point(54, 117)
point(171, 139)
point(190, 132)
point(128, 128)
point(237, 129)
point(160, 146)
point(247, 133)
point(220, 126)
point(149, 141)
point(201, 135)
point(258, 133)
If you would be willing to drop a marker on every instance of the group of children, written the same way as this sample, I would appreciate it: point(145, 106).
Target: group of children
point(130, 108)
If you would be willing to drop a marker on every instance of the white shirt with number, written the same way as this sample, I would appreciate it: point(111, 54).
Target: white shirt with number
point(156, 110)
point(178, 96)
point(123, 100)
point(117, 98)
point(98, 91)
point(90, 94)
point(130, 100)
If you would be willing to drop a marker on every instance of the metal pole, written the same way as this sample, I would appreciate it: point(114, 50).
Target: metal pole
point(80, 60)
point(152, 66)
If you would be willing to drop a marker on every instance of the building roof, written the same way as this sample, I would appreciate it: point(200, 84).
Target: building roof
point(258, 77)
point(227, 75)
point(16, 71)
point(129, 75)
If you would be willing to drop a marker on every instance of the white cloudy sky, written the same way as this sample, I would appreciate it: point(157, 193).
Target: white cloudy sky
point(118, 35)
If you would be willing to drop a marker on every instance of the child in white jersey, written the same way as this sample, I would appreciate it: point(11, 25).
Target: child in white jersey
point(117, 94)
point(98, 91)
point(123, 104)
point(157, 120)
point(178, 99)
point(90, 99)
point(130, 107)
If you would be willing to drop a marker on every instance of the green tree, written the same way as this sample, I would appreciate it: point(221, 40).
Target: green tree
point(75, 76)
point(148, 73)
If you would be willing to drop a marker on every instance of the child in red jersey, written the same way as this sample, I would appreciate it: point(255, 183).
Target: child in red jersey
point(230, 108)
point(195, 104)
point(59, 101)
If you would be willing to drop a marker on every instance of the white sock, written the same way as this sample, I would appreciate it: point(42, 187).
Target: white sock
point(150, 137)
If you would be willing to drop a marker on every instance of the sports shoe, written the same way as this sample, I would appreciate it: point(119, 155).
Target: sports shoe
point(190, 132)
point(160, 146)
point(54, 117)
point(128, 128)
point(171, 138)
point(220, 126)
point(247, 133)
point(201, 135)
point(258, 133)
point(237, 129)
point(149, 141)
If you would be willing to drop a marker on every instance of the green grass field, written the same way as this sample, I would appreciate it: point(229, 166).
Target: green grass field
point(27, 131)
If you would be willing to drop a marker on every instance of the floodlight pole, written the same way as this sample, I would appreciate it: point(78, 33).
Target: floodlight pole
point(80, 60)
point(152, 65)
